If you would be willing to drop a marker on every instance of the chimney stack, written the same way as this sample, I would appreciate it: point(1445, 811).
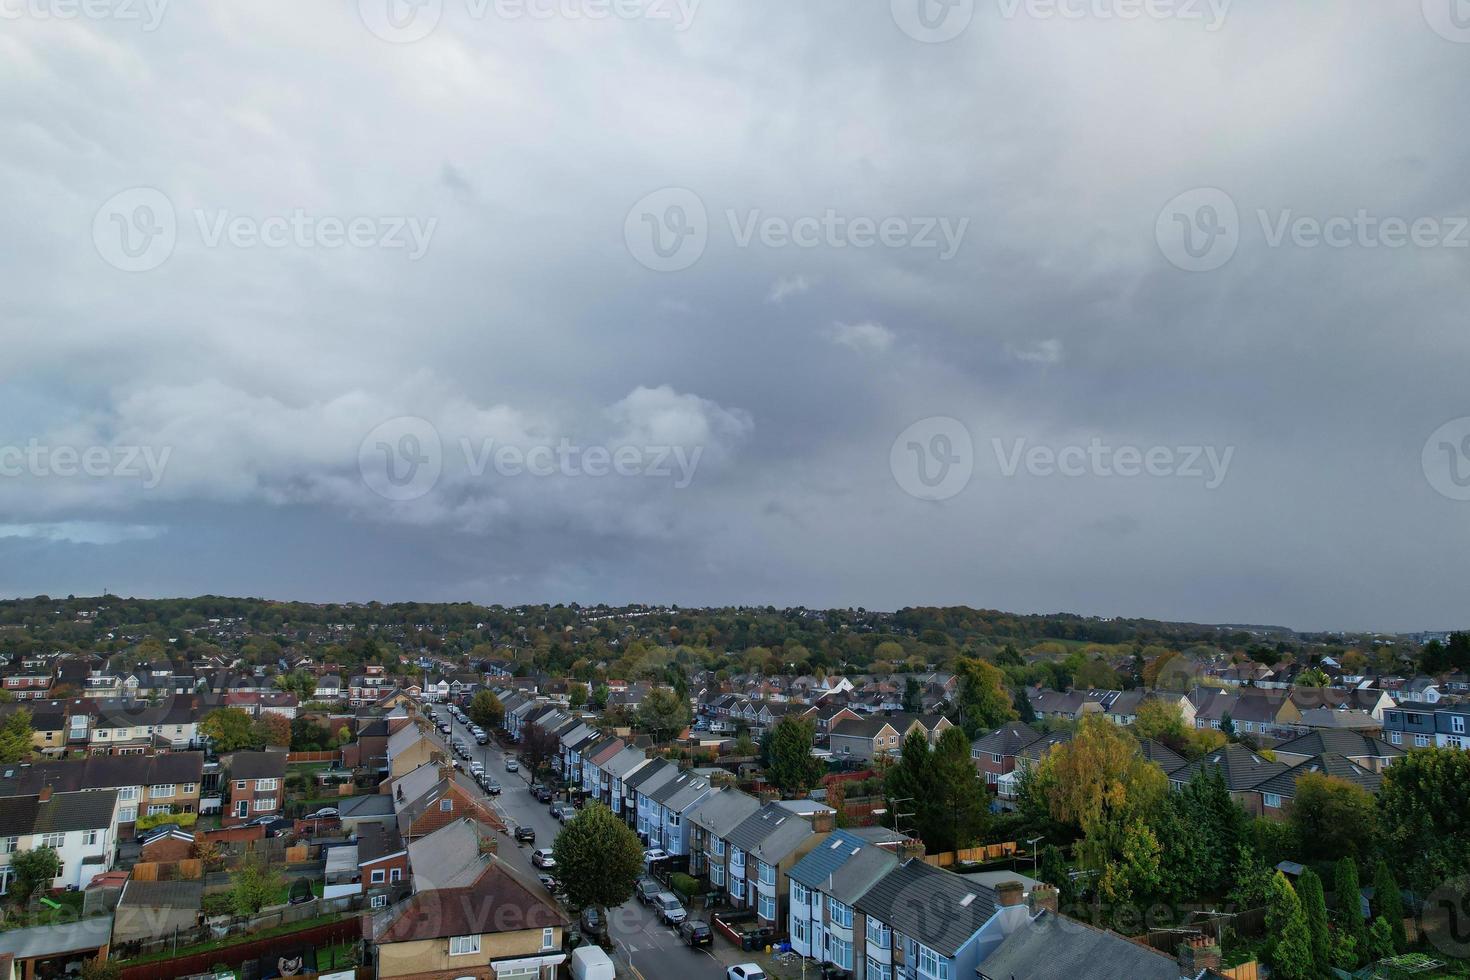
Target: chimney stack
point(911, 847)
point(1044, 898)
point(44, 796)
point(824, 821)
point(1008, 893)
point(1198, 954)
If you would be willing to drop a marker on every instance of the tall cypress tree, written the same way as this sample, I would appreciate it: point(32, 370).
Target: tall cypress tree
point(1388, 904)
point(1348, 900)
point(1314, 904)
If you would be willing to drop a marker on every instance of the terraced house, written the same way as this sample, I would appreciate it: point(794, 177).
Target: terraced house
point(146, 785)
point(761, 851)
point(710, 822)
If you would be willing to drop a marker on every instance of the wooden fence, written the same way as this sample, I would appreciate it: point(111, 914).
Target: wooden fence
point(295, 758)
point(972, 855)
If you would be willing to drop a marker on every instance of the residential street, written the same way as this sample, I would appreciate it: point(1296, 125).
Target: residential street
point(652, 950)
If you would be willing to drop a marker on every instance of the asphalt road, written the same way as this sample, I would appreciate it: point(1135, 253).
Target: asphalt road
point(646, 948)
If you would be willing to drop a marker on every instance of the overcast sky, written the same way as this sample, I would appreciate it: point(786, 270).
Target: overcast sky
point(1002, 303)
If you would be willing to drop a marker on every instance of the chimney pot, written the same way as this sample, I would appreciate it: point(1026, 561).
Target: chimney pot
point(1044, 898)
point(1200, 953)
point(1009, 893)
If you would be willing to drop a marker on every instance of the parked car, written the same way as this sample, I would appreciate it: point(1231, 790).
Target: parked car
point(323, 813)
point(541, 858)
point(666, 904)
point(745, 971)
point(549, 882)
point(561, 811)
point(525, 835)
point(593, 926)
point(653, 854)
point(492, 787)
point(511, 765)
point(646, 890)
point(482, 739)
point(542, 793)
point(591, 963)
point(696, 933)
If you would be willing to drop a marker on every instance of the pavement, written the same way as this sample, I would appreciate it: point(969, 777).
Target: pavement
point(645, 948)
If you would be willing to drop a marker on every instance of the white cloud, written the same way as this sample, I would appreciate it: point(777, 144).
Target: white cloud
point(82, 532)
point(788, 286)
point(1042, 352)
point(866, 338)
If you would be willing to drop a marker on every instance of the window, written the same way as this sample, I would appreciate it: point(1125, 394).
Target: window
point(395, 874)
point(716, 874)
point(1420, 741)
point(737, 860)
point(1273, 801)
point(127, 814)
point(841, 915)
point(379, 876)
point(127, 793)
point(162, 789)
point(720, 846)
point(766, 873)
point(737, 887)
point(879, 935)
point(548, 939)
point(53, 840)
point(995, 757)
point(801, 893)
point(380, 901)
point(9, 845)
point(446, 805)
point(1395, 738)
point(156, 808)
point(767, 907)
point(264, 804)
point(461, 945)
point(932, 964)
point(798, 930)
point(1457, 724)
point(191, 788)
point(840, 952)
point(265, 785)
point(239, 784)
point(879, 971)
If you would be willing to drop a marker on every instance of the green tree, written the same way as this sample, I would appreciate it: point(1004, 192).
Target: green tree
point(1162, 721)
point(913, 696)
point(1314, 906)
point(1348, 903)
point(1053, 870)
point(1380, 940)
point(577, 696)
point(252, 885)
point(1332, 817)
point(308, 736)
point(229, 729)
point(954, 807)
point(1135, 874)
point(33, 869)
point(1388, 906)
point(600, 694)
point(101, 970)
point(1424, 815)
point(983, 702)
point(662, 714)
point(1227, 726)
point(907, 780)
point(299, 683)
point(1024, 712)
point(486, 710)
point(15, 737)
point(1286, 923)
point(792, 768)
point(598, 859)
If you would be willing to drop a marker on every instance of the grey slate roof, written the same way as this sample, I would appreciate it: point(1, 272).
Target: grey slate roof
point(680, 791)
point(844, 866)
point(161, 894)
point(1242, 768)
point(1161, 755)
point(936, 908)
point(650, 776)
point(76, 811)
point(1052, 947)
point(1006, 740)
point(1330, 764)
point(624, 762)
point(1349, 743)
point(722, 811)
point(770, 834)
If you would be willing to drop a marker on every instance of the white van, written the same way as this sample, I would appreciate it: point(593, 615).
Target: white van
point(591, 963)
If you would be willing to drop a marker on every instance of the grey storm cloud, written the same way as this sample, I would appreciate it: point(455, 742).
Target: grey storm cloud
point(826, 303)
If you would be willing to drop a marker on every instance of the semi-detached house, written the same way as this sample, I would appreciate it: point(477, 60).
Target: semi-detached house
point(79, 826)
